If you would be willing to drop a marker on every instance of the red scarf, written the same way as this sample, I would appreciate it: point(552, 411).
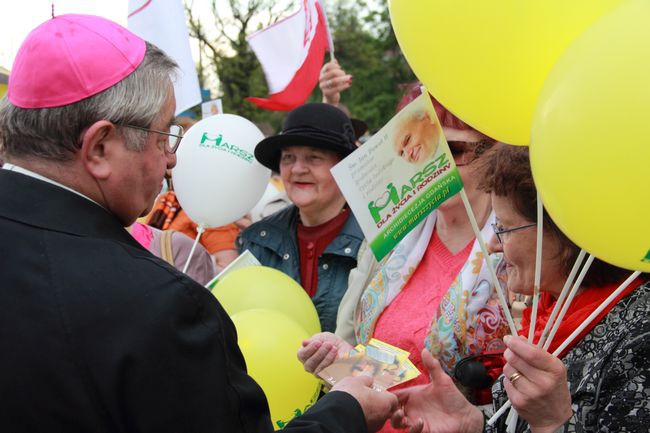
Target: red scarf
point(583, 304)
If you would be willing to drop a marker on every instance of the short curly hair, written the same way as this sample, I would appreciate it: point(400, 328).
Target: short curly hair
point(506, 173)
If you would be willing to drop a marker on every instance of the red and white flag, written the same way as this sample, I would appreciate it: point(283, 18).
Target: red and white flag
point(291, 53)
point(162, 22)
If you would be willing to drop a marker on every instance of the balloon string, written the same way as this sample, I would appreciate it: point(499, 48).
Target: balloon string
point(538, 267)
point(560, 299)
point(199, 231)
point(596, 312)
point(488, 262)
point(567, 303)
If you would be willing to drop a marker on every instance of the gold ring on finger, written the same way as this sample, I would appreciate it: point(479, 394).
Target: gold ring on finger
point(515, 377)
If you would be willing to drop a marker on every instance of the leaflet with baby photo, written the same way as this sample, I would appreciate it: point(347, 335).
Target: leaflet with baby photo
point(399, 176)
point(388, 366)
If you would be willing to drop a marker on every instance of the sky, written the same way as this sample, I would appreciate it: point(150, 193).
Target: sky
point(17, 20)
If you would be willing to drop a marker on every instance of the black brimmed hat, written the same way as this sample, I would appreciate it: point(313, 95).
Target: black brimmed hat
point(315, 125)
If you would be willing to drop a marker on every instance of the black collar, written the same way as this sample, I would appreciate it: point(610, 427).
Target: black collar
point(31, 201)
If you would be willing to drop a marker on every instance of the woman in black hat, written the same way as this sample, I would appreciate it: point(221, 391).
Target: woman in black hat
point(317, 241)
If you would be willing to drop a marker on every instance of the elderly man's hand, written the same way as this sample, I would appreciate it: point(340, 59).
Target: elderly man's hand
point(320, 350)
point(333, 80)
point(437, 407)
point(377, 406)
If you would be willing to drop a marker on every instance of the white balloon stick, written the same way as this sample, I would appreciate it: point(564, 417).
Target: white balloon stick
point(499, 412)
point(597, 311)
point(199, 231)
point(488, 262)
point(538, 268)
point(563, 294)
point(565, 307)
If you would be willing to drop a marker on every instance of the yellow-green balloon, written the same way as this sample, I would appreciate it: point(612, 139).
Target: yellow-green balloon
point(264, 287)
point(269, 342)
point(590, 150)
point(486, 61)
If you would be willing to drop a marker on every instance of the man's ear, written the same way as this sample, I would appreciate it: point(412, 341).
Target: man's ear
point(97, 147)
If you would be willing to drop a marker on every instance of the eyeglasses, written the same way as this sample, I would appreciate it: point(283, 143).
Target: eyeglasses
point(469, 150)
point(175, 135)
point(500, 231)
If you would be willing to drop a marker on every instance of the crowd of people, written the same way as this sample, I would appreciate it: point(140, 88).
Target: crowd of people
point(102, 331)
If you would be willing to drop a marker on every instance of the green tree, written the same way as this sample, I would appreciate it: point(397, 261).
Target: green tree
point(228, 54)
point(366, 47)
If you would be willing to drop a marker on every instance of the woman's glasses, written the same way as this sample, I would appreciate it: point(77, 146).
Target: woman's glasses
point(501, 231)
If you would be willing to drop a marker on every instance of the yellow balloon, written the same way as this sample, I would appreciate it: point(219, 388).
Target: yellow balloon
point(486, 61)
point(264, 287)
point(590, 150)
point(269, 341)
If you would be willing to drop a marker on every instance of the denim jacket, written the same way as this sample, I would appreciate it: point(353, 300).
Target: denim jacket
point(273, 241)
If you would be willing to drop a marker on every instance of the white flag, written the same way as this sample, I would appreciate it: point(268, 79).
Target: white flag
point(291, 53)
point(163, 24)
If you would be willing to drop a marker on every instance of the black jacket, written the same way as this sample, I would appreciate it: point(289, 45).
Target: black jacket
point(98, 335)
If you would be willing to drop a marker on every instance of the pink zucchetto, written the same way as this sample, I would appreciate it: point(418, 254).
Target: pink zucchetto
point(72, 57)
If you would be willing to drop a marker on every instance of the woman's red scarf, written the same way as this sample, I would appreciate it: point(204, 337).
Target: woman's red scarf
point(583, 304)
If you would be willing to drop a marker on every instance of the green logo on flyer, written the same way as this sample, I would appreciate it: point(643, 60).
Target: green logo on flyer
point(393, 199)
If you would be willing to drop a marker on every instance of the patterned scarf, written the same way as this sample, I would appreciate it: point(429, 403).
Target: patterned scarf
point(469, 319)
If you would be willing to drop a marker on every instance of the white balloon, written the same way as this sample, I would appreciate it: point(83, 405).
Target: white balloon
point(217, 179)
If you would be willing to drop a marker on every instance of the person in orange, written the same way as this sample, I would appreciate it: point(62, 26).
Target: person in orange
point(218, 241)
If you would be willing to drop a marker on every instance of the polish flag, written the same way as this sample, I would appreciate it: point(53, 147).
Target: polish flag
point(291, 53)
point(162, 23)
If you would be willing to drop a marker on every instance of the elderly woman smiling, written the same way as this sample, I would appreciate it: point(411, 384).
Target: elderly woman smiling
point(316, 241)
point(600, 383)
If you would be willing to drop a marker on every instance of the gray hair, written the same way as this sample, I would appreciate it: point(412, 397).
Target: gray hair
point(55, 133)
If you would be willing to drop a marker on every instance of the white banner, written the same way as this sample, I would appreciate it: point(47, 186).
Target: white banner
point(163, 24)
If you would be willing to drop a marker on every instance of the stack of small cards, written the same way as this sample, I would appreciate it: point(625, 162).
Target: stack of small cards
point(388, 365)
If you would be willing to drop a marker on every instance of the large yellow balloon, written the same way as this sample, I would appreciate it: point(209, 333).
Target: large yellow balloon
point(264, 287)
point(590, 152)
point(269, 341)
point(486, 61)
